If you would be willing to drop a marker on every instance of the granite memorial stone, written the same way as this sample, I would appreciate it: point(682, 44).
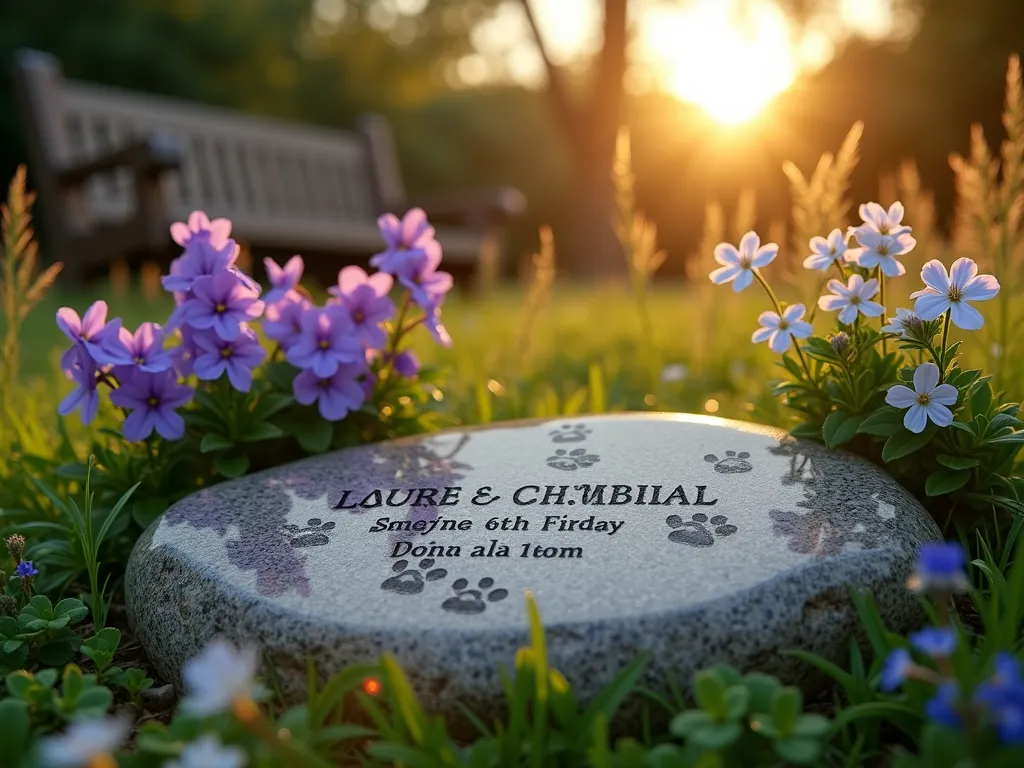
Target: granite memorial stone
point(697, 539)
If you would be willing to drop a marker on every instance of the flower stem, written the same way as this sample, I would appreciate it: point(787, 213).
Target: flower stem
point(945, 337)
point(881, 300)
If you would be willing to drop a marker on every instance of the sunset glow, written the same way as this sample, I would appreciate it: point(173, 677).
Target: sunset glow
point(730, 65)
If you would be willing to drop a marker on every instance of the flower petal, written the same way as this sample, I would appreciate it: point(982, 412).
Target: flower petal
point(762, 334)
point(745, 278)
point(725, 274)
point(820, 245)
point(780, 341)
point(945, 394)
point(801, 330)
point(931, 305)
point(939, 414)
point(833, 303)
point(965, 316)
point(727, 255)
point(793, 313)
point(749, 244)
point(962, 272)
point(916, 419)
point(935, 277)
point(765, 255)
point(69, 322)
point(980, 288)
point(871, 308)
point(891, 267)
point(900, 396)
point(926, 378)
point(768, 320)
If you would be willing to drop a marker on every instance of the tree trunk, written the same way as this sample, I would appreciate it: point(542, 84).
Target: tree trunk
point(593, 251)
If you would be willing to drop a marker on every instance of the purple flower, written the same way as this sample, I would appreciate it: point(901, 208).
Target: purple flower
point(184, 355)
point(199, 227)
point(406, 364)
point(896, 670)
point(328, 339)
point(940, 566)
point(335, 395)
point(937, 642)
point(282, 321)
point(98, 337)
point(152, 398)
point(202, 258)
point(25, 570)
point(366, 299)
point(942, 707)
point(282, 279)
point(237, 357)
point(82, 370)
point(426, 285)
point(412, 237)
point(223, 303)
point(146, 348)
point(432, 321)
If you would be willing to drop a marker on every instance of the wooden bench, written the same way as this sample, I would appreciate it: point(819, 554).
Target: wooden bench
point(114, 168)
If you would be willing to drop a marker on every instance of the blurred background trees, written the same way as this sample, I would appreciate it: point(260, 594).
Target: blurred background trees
point(474, 99)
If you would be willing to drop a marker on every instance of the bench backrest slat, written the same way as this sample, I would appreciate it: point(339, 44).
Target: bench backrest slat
point(232, 163)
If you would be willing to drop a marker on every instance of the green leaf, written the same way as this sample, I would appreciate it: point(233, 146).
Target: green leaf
point(905, 443)
point(787, 704)
point(73, 609)
point(12, 645)
point(1014, 438)
point(8, 627)
point(96, 699)
point(685, 723)
point(762, 689)
point(808, 431)
point(943, 481)
point(839, 428)
point(231, 465)
point(956, 462)
point(981, 398)
point(314, 436)
point(15, 730)
point(106, 639)
point(214, 442)
point(56, 654)
point(145, 511)
point(885, 422)
point(737, 698)
point(812, 726)
point(716, 735)
point(261, 430)
point(797, 750)
point(73, 684)
point(19, 683)
point(709, 691)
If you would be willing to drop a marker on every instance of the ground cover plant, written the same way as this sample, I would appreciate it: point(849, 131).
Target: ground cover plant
point(882, 350)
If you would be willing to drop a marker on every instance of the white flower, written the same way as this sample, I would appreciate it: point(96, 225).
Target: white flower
point(83, 742)
point(218, 677)
point(927, 400)
point(899, 324)
point(879, 250)
point(852, 298)
point(826, 252)
point(779, 331)
point(207, 752)
point(879, 220)
point(952, 292)
point(738, 264)
point(673, 373)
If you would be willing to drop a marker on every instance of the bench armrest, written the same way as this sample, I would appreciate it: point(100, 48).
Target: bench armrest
point(146, 158)
point(477, 209)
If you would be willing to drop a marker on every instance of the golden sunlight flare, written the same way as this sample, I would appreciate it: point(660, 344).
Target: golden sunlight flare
point(728, 64)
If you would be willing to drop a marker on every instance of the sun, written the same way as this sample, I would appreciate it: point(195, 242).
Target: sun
point(730, 65)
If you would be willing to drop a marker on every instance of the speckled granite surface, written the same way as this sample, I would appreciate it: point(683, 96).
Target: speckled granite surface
point(697, 539)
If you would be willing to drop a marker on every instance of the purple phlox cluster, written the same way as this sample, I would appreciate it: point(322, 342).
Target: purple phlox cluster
point(222, 303)
point(146, 349)
point(25, 570)
point(237, 358)
point(412, 237)
point(200, 259)
point(1002, 696)
point(152, 399)
point(327, 340)
point(335, 394)
point(282, 279)
point(200, 228)
point(366, 299)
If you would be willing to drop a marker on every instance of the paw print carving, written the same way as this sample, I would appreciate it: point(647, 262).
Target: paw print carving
point(408, 581)
point(695, 533)
point(570, 433)
point(570, 461)
point(314, 535)
point(472, 600)
point(732, 464)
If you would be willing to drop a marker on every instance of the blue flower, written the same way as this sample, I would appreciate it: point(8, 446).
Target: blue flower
point(940, 566)
point(1003, 697)
point(25, 570)
point(896, 669)
point(941, 708)
point(937, 642)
